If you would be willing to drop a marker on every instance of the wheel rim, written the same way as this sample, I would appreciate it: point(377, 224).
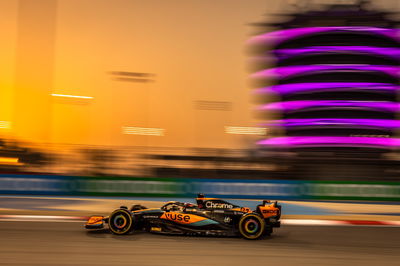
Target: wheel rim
point(120, 221)
point(251, 227)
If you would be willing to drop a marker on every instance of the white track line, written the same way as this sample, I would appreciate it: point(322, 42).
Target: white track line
point(311, 222)
point(339, 222)
point(42, 218)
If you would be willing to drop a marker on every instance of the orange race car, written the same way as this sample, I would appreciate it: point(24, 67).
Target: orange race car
point(211, 216)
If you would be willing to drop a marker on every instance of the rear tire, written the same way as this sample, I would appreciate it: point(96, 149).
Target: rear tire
point(252, 226)
point(120, 222)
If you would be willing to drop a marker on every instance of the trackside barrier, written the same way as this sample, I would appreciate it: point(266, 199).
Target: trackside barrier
point(170, 187)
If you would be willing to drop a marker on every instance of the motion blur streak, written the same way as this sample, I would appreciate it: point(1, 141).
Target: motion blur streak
point(71, 96)
point(5, 124)
point(284, 35)
point(246, 130)
point(8, 160)
point(335, 141)
point(143, 131)
point(328, 86)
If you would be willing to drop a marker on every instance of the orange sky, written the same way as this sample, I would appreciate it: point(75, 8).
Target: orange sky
point(194, 47)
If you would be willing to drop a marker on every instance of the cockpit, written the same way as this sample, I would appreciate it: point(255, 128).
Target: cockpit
point(178, 206)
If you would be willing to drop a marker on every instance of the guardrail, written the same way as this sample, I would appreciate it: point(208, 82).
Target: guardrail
point(172, 187)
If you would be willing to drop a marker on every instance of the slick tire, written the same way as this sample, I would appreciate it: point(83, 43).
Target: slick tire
point(120, 222)
point(252, 226)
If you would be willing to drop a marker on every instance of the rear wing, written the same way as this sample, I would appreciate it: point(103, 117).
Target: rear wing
point(270, 209)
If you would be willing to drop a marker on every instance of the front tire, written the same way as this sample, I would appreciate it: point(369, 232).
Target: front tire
point(251, 226)
point(120, 222)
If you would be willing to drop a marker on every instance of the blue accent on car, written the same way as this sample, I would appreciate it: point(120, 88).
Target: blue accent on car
point(204, 222)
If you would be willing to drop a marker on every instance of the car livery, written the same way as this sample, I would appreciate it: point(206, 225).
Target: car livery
point(211, 216)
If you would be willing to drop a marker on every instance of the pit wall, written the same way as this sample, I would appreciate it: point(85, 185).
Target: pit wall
point(11, 184)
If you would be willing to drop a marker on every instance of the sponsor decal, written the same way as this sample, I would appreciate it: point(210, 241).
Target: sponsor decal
point(217, 205)
point(156, 229)
point(269, 211)
point(177, 217)
point(181, 217)
point(227, 220)
point(242, 209)
point(245, 209)
point(150, 216)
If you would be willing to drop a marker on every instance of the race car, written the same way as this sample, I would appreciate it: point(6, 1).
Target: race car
point(211, 216)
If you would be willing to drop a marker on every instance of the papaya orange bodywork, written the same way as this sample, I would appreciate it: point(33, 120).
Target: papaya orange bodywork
point(95, 220)
point(269, 210)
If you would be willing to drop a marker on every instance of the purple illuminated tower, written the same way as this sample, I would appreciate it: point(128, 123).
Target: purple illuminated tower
point(333, 76)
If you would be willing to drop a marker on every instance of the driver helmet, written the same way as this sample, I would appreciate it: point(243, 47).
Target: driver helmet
point(200, 200)
point(189, 205)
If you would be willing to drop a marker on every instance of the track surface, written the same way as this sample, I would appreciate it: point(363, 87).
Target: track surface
point(47, 243)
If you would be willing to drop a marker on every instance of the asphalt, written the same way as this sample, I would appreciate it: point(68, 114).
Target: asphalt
point(68, 243)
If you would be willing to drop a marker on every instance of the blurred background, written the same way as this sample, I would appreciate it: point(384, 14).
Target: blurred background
point(207, 89)
point(90, 87)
